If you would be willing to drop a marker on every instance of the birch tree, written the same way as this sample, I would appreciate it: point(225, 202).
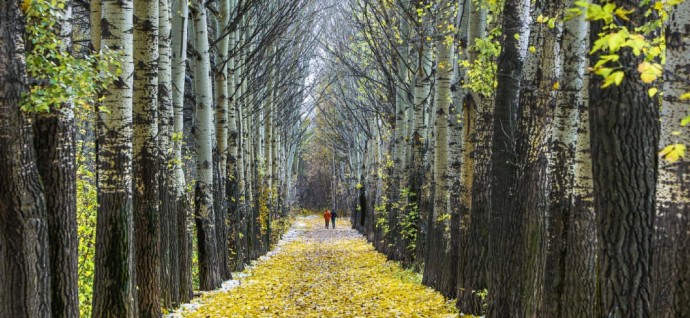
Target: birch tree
point(209, 271)
point(169, 247)
point(570, 268)
point(146, 158)
point(476, 117)
point(672, 285)
point(436, 269)
point(182, 211)
point(114, 280)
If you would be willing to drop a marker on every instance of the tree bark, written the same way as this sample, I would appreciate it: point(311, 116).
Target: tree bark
point(506, 227)
point(170, 250)
point(209, 270)
point(570, 270)
point(671, 259)
point(625, 133)
point(474, 203)
point(440, 266)
point(56, 160)
point(114, 282)
point(146, 164)
point(182, 207)
point(25, 281)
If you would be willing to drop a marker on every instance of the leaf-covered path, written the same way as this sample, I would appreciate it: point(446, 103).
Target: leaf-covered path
point(318, 272)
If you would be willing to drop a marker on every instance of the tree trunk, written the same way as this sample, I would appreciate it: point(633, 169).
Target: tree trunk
point(221, 149)
point(533, 145)
point(56, 161)
point(114, 282)
point(439, 265)
point(418, 139)
point(146, 158)
point(506, 227)
point(25, 279)
point(233, 167)
point(579, 281)
point(570, 271)
point(209, 267)
point(182, 208)
point(476, 150)
point(671, 255)
point(625, 133)
point(170, 271)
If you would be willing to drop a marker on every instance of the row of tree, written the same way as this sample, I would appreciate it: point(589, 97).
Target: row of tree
point(195, 132)
point(509, 149)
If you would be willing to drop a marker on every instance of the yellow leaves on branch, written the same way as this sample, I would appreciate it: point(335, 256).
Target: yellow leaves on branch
point(327, 273)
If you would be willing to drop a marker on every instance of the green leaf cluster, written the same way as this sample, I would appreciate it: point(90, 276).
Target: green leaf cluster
point(56, 75)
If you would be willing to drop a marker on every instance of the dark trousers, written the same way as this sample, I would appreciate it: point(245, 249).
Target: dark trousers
point(326, 223)
point(332, 222)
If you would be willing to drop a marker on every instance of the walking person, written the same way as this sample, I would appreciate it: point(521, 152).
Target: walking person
point(333, 215)
point(327, 217)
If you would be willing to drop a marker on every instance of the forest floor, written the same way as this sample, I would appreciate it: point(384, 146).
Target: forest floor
point(318, 272)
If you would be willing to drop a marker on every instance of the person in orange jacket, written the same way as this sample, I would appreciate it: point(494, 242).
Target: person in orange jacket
point(327, 217)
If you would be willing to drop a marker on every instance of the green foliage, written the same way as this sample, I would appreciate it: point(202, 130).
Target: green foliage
point(382, 215)
point(279, 227)
point(409, 220)
point(482, 71)
point(86, 230)
point(264, 197)
point(57, 76)
point(484, 296)
point(645, 40)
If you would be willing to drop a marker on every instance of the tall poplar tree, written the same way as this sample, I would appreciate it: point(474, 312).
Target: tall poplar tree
point(56, 159)
point(672, 258)
point(146, 165)
point(24, 254)
point(625, 133)
point(506, 226)
point(209, 270)
point(114, 280)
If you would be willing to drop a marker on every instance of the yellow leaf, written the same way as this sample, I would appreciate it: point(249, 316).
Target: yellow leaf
point(652, 91)
point(552, 23)
point(614, 78)
point(532, 49)
point(25, 5)
point(649, 72)
point(672, 157)
point(618, 77)
point(556, 85)
point(647, 78)
point(673, 152)
point(623, 14)
point(685, 96)
point(615, 40)
point(666, 150)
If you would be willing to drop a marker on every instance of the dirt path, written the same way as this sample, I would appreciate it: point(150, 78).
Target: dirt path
point(318, 272)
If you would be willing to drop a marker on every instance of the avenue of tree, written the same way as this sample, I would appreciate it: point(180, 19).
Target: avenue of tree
point(525, 156)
